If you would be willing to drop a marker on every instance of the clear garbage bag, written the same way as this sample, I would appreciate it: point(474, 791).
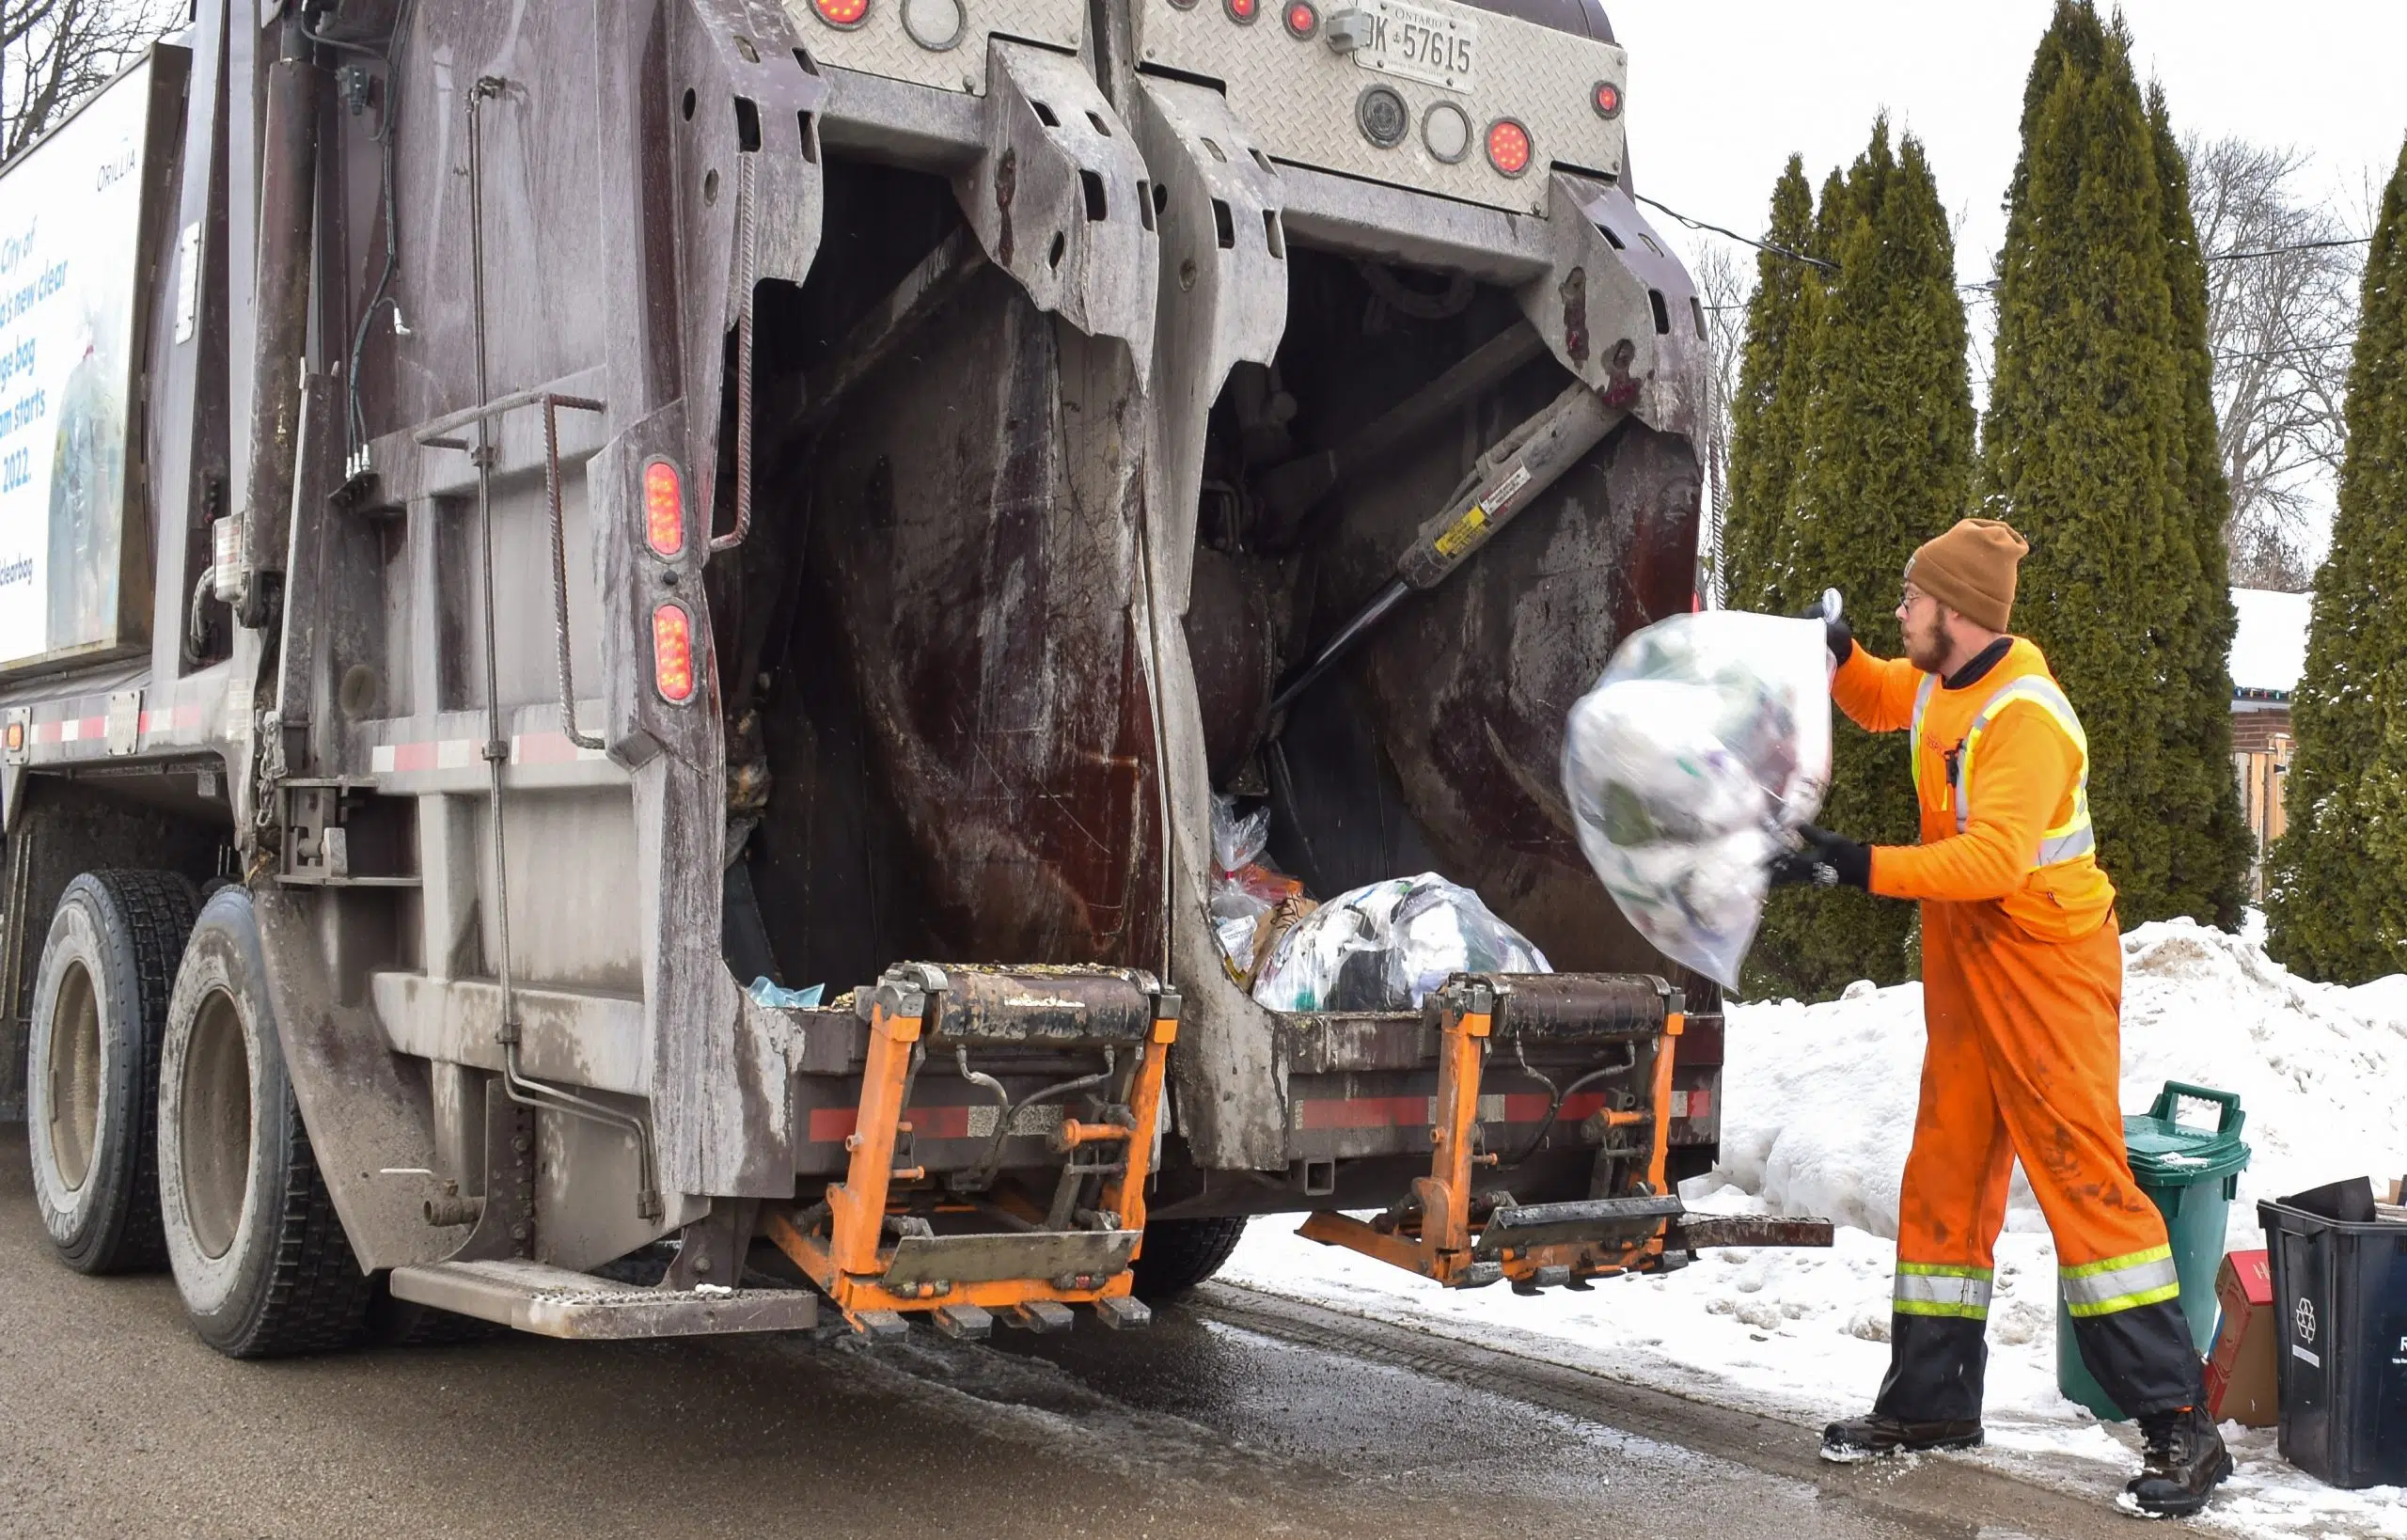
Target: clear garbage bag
point(1244, 888)
point(1386, 946)
point(1705, 741)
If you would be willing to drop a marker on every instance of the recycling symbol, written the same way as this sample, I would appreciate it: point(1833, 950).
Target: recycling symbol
point(2304, 1317)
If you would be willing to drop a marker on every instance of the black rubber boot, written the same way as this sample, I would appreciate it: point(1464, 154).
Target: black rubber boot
point(2184, 1461)
point(1869, 1438)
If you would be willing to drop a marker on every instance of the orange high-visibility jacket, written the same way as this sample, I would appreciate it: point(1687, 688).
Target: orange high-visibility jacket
point(2001, 769)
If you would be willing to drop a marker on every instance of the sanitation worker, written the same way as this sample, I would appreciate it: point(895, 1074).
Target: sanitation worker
point(2022, 984)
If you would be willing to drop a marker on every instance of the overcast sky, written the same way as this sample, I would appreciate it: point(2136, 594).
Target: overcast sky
point(1721, 91)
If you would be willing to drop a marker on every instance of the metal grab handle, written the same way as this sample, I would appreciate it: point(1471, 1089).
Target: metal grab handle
point(746, 243)
point(552, 405)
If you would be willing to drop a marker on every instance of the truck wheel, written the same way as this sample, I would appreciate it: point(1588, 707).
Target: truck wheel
point(1180, 1253)
point(92, 1065)
point(258, 1253)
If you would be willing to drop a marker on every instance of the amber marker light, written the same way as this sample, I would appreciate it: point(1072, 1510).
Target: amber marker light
point(672, 652)
point(1508, 147)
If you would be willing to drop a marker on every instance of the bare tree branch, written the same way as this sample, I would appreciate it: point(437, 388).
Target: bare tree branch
point(2278, 324)
point(55, 53)
point(1722, 289)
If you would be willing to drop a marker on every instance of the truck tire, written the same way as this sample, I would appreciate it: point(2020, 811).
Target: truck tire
point(258, 1253)
point(1180, 1253)
point(92, 1065)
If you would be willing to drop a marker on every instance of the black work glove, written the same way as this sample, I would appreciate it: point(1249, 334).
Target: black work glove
point(1836, 635)
point(1827, 860)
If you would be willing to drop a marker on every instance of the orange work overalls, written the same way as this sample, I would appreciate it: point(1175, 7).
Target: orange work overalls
point(2023, 985)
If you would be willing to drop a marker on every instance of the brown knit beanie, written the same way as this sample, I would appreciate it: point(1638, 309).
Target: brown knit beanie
point(1970, 569)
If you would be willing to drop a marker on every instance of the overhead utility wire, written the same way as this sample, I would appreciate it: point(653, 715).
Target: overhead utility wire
point(1742, 240)
point(1991, 286)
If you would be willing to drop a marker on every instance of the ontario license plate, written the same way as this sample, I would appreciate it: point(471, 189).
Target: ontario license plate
point(1422, 45)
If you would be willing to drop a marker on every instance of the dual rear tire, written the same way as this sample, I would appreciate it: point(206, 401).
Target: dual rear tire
point(163, 1126)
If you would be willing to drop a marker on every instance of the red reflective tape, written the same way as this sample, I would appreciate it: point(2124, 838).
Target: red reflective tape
point(47, 732)
point(545, 749)
point(1700, 1103)
point(834, 1125)
point(408, 756)
point(1362, 1112)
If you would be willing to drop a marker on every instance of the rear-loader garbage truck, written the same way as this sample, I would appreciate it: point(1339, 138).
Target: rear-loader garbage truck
point(522, 520)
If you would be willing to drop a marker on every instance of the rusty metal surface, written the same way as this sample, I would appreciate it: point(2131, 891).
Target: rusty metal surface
point(1578, 1005)
point(982, 1259)
point(1700, 1231)
point(1042, 1007)
point(976, 546)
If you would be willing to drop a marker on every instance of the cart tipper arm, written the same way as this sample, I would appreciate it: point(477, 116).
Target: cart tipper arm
point(1449, 1231)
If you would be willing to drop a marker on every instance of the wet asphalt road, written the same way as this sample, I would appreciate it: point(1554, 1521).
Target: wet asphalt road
point(1237, 1417)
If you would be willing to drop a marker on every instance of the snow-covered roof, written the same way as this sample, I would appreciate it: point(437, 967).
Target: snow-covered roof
point(2268, 651)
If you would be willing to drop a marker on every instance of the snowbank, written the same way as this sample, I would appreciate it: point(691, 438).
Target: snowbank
point(1818, 1105)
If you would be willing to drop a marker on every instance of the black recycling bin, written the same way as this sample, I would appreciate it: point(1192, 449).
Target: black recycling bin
point(2341, 1287)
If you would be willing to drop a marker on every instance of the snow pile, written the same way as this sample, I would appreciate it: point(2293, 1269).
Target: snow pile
point(1819, 1100)
point(1818, 1107)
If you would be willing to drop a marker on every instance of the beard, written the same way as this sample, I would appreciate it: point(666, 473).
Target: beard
point(1926, 650)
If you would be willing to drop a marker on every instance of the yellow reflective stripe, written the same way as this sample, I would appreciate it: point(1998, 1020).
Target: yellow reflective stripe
point(2119, 1283)
point(2074, 836)
point(1927, 1288)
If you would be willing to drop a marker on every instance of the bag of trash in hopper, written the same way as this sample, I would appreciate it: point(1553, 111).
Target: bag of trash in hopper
point(1386, 946)
point(1244, 888)
point(1705, 741)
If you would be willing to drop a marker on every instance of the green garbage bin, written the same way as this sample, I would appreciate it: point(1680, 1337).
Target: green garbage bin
point(2192, 1175)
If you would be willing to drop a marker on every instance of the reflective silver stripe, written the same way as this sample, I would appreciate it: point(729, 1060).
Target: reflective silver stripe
point(2100, 1288)
point(2081, 841)
point(1923, 692)
point(1942, 1293)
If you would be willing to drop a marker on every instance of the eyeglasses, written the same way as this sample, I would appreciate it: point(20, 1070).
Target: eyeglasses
point(1911, 595)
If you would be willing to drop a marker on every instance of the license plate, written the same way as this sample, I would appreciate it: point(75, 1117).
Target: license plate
point(1418, 44)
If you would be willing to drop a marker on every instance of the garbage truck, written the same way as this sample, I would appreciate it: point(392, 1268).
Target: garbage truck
point(525, 520)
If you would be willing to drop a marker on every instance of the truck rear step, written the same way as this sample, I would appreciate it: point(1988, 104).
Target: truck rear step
point(556, 1302)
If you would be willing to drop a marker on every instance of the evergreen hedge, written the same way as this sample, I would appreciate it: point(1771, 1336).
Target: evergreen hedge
point(1886, 463)
point(2090, 448)
point(2338, 898)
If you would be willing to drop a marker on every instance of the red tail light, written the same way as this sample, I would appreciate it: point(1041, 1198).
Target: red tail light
point(844, 15)
point(672, 652)
point(1302, 20)
point(664, 509)
point(1606, 99)
point(1508, 147)
point(1242, 11)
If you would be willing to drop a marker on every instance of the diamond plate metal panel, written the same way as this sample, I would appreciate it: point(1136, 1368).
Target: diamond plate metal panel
point(880, 44)
point(1300, 97)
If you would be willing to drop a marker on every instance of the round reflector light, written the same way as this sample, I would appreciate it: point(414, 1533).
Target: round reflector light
point(672, 652)
point(1445, 132)
point(664, 509)
point(1606, 99)
point(1508, 147)
point(1243, 12)
point(933, 24)
point(1302, 20)
point(1382, 116)
point(844, 15)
